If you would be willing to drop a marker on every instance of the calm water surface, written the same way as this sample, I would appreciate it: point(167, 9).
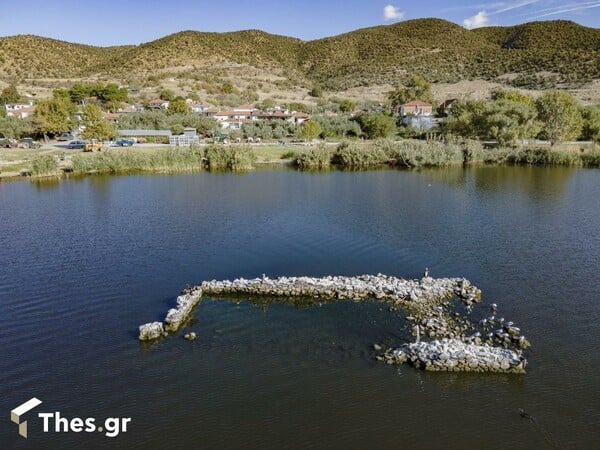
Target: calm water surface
point(83, 262)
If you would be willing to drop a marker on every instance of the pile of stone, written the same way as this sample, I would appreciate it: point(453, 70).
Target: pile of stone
point(379, 287)
point(455, 355)
point(175, 316)
point(459, 344)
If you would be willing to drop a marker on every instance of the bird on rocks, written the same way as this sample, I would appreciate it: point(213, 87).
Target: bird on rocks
point(426, 273)
point(493, 308)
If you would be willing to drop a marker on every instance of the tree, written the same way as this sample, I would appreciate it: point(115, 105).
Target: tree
point(14, 127)
point(205, 125)
point(591, 123)
point(347, 106)
point(560, 116)
point(316, 91)
point(513, 96)
point(507, 121)
point(310, 130)
point(10, 94)
point(417, 88)
point(501, 120)
point(376, 125)
point(96, 127)
point(178, 106)
point(167, 95)
point(54, 116)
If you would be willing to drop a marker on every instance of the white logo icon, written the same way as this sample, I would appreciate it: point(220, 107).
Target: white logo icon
point(15, 414)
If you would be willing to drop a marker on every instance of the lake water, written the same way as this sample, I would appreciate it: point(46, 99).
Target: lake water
point(84, 261)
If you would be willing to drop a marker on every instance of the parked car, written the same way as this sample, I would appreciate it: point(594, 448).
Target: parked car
point(125, 142)
point(8, 143)
point(76, 144)
point(28, 142)
point(65, 137)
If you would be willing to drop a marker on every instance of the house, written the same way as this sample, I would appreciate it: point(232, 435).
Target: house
point(420, 122)
point(446, 106)
point(158, 103)
point(200, 108)
point(416, 107)
point(20, 110)
point(127, 108)
point(111, 117)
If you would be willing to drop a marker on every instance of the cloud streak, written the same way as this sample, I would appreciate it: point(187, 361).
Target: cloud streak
point(565, 9)
point(510, 7)
point(390, 12)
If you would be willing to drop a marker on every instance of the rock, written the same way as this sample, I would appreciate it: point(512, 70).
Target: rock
point(190, 336)
point(150, 331)
point(185, 303)
point(377, 347)
point(454, 354)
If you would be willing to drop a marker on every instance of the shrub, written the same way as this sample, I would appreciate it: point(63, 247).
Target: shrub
point(44, 165)
point(235, 157)
point(318, 157)
point(411, 153)
point(356, 156)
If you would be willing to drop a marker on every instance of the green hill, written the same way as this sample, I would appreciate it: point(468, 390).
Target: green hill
point(538, 54)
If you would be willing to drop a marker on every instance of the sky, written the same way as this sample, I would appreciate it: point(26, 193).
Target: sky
point(117, 22)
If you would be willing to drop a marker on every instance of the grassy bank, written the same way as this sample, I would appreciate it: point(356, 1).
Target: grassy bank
point(356, 155)
point(415, 154)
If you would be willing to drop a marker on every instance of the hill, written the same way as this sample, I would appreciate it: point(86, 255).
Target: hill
point(534, 55)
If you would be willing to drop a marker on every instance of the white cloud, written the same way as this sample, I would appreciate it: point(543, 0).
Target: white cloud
point(390, 12)
point(481, 19)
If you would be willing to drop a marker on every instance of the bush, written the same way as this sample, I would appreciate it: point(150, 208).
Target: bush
point(411, 153)
point(44, 165)
point(353, 155)
point(170, 160)
point(318, 157)
point(235, 157)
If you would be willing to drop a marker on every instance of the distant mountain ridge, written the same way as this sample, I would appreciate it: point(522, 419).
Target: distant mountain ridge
point(546, 54)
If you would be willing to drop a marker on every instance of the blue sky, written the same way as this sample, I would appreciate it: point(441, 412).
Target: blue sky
point(114, 22)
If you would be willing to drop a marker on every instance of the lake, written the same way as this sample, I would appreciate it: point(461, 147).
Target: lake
point(85, 261)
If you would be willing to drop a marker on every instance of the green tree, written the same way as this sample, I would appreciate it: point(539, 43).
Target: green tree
point(54, 116)
point(14, 127)
point(228, 88)
point(310, 130)
point(591, 123)
point(507, 121)
point(178, 106)
point(503, 120)
point(316, 91)
point(513, 96)
point(376, 125)
point(347, 106)
point(10, 94)
point(416, 88)
point(79, 92)
point(560, 116)
point(96, 127)
point(167, 94)
point(111, 93)
point(205, 125)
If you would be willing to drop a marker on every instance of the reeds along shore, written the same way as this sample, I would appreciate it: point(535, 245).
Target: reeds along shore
point(405, 154)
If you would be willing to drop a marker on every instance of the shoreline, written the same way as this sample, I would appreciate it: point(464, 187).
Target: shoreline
point(371, 155)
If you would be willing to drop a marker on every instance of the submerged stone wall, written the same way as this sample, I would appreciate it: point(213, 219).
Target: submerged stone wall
point(458, 345)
